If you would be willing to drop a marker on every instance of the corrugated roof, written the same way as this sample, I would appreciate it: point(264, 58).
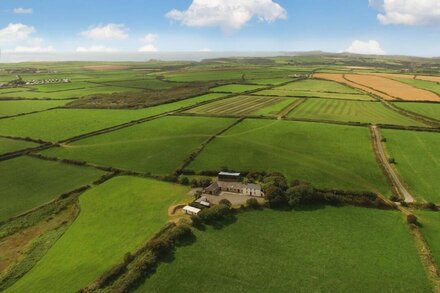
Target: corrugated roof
point(228, 174)
point(191, 209)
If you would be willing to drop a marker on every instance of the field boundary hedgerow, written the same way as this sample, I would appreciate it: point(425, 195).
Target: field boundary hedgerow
point(27, 113)
point(202, 146)
point(422, 118)
point(283, 113)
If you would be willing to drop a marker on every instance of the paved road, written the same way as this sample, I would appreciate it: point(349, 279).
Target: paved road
point(389, 169)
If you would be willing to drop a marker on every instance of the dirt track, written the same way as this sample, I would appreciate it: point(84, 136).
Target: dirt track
point(388, 168)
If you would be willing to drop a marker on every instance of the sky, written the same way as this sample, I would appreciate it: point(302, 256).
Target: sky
point(407, 27)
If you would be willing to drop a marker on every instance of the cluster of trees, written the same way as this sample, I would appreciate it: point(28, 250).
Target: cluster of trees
point(195, 182)
point(279, 193)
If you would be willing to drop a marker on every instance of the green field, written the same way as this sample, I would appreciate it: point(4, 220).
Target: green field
point(350, 111)
point(430, 225)
point(417, 156)
point(320, 249)
point(316, 85)
point(338, 96)
point(27, 183)
point(159, 146)
point(9, 108)
point(421, 84)
point(329, 156)
point(154, 84)
point(431, 110)
point(68, 94)
point(53, 87)
point(236, 88)
point(56, 125)
point(11, 145)
point(243, 105)
point(270, 81)
point(116, 217)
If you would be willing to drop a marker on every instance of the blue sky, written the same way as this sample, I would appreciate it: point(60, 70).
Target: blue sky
point(364, 26)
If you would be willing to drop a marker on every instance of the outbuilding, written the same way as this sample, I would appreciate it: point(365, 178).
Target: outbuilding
point(189, 210)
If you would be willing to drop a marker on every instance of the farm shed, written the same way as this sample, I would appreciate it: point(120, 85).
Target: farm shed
point(191, 210)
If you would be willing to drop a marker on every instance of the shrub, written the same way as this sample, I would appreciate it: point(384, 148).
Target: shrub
point(395, 198)
point(391, 160)
point(252, 203)
point(411, 219)
point(216, 213)
point(430, 206)
point(196, 221)
point(194, 183)
point(205, 182)
point(184, 180)
point(225, 202)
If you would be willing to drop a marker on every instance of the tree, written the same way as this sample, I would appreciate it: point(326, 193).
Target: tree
point(411, 219)
point(184, 180)
point(252, 203)
point(225, 202)
point(194, 183)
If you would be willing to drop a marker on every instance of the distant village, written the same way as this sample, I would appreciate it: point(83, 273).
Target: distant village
point(18, 82)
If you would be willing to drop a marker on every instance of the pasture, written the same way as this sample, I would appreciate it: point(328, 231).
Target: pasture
point(430, 226)
point(74, 122)
point(328, 156)
point(27, 183)
point(10, 108)
point(417, 156)
point(431, 110)
point(315, 249)
point(244, 105)
point(338, 96)
point(11, 145)
point(152, 83)
point(316, 85)
point(236, 88)
point(159, 146)
point(350, 111)
point(116, 217)
point(395, 89)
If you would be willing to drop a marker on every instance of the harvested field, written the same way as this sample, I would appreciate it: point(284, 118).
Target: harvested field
point(240, 106)
point(393, 88)
point(351, 111)
point(428, 78)
point(422, 84)
point(340, 78)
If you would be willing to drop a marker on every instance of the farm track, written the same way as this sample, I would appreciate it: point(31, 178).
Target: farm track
point(389, 170)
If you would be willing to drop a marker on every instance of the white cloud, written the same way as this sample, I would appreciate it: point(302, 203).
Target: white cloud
point(408, 12)
point(369, 47)
point(148, 48)
point(21, 10)
point(230, 15)
point(96, 48)
point(16, 32)
point(150, 38)
point(37, 49)
point(110, 31)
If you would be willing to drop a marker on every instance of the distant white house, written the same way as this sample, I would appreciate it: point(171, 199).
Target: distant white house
point(189, 210)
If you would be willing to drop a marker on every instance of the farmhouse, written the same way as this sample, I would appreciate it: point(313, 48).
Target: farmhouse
point(230, 182)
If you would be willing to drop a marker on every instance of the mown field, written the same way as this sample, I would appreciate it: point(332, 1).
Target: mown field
point(431, 110)
point(421, 84)
point(11, 145)
point(430, 226)
point(417, 156)
point(27, 183)
point(350, 111)
point(159, 146)
point(116, 217)
point(244, 105)
point(236, 88)
point(318, 249)
point(329, 156)
point(60, 124)
point(9, 108)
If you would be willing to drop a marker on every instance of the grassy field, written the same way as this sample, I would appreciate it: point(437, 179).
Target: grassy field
point(243, 105)
point(329, 156)
point(157, 146)
point(116, 217)
point(152, 83)
point(27, 183)
point(236, 88)
point(53, 87)
point(431, 110)
point(350, 111)
point(270, 81)
point(73, 122)
point(9, 108)
point(417, 155)
point(10, 145)
point(430, 225)
point(320, 249)
point(317, 85)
